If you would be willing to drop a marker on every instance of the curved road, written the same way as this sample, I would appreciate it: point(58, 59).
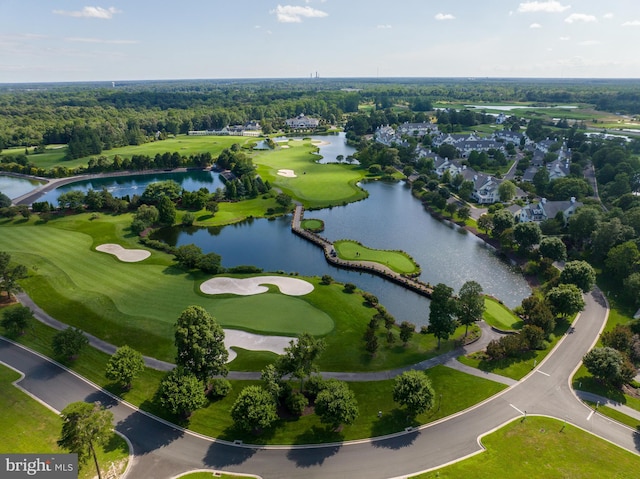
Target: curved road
point(163, 451)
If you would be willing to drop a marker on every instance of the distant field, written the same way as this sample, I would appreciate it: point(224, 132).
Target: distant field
point(183, 144)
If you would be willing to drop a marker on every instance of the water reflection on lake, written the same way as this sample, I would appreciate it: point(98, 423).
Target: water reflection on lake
point(14, 187)
point(390, 219)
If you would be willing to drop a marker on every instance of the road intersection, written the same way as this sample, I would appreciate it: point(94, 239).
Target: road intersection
point(163, 451)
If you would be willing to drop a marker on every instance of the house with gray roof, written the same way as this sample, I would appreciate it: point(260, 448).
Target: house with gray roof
point(544, 210)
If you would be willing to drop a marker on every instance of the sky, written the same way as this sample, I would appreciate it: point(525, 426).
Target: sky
point(117, 40)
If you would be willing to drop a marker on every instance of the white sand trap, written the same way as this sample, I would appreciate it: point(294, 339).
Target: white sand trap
point(287, 173)
point(253, 342)
point(285, 146)
point(126, 255)
point(249, 286)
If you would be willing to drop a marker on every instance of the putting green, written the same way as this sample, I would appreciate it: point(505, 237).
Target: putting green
point(396, 260)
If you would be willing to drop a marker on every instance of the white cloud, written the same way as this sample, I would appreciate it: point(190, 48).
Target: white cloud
point(100, 40)
point(295, 14)
point(90, 12)
point(444, 16)
point(588, 43)
point(607, 16)
point(535, 25)
point(632, 23)
point(580, 17)
point(384, 27)
point(550, 6)
point(565, 39)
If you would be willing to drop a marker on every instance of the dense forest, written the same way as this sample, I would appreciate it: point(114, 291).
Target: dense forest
point(91, 117)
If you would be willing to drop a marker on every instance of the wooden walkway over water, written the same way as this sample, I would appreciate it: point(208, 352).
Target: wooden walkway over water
point(331, 256)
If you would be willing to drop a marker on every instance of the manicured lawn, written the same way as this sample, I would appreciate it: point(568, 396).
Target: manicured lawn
point(138, 303)
point(26, 426)
point(499, 316)
point(543, 448)
point(315, 185)
point(313, 225)
point(398, 261)
point(455, 391)
point(183, 144)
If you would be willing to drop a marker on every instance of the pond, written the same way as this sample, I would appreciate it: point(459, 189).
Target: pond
point(15, 187)
point(120, 186)
point(389, 219)
point(332, 146)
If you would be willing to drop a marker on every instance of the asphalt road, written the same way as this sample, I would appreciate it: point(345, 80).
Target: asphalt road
point(163, 451)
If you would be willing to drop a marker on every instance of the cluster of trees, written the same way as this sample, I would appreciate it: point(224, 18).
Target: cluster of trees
point(539, 313)
point(615, 363)
point(447, 312)
point(243, 183)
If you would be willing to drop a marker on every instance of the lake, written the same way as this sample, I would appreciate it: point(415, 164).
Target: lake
point(389, 219)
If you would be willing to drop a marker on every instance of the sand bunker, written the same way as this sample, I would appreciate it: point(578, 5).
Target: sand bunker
point(287, 173)
point(249, 286)
point(126, 255)
point(253, 342)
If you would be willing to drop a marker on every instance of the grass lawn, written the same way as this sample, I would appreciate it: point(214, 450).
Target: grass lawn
point(455, 391)
point(313, 225)
point(138, 303)
point(183, 144)
point(499, 316)
point(398, 261)
point(26, 426)
point(543, 448)
point(315, 185)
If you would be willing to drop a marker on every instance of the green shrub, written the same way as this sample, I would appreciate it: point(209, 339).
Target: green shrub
point(220, 387)
point(296, 403)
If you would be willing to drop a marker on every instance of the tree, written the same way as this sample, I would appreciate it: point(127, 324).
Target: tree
point(527, 234)
point(188, 255)
point(200, 343)
point(506, 190)
point(583, 223)
point(502, 220)
point(166, 211)
point(84, 427)
point(451, 208)
point(181, 392)
point(565, 300)
point(470, 305)
point(210, 263)
point(254, 409)
point(5, 201)
point(413, 390)
point(68, 342)
point(284, 200)
point(9, 275)
point(579, 273)
point(537, 312)
point(212, 206)
point(125, 364)
point(464, 213)
point(16, 319)
point(553, 248)
point(485, 222)
point(541, 180)
point(608, 366)
point(336, 404)
point(299, 357)
point(441, 321)
point(622, 260)
point(272, 381)
point(406, 331)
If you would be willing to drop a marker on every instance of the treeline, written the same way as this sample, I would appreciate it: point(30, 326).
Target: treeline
point(161, 161)
point(32, 115)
